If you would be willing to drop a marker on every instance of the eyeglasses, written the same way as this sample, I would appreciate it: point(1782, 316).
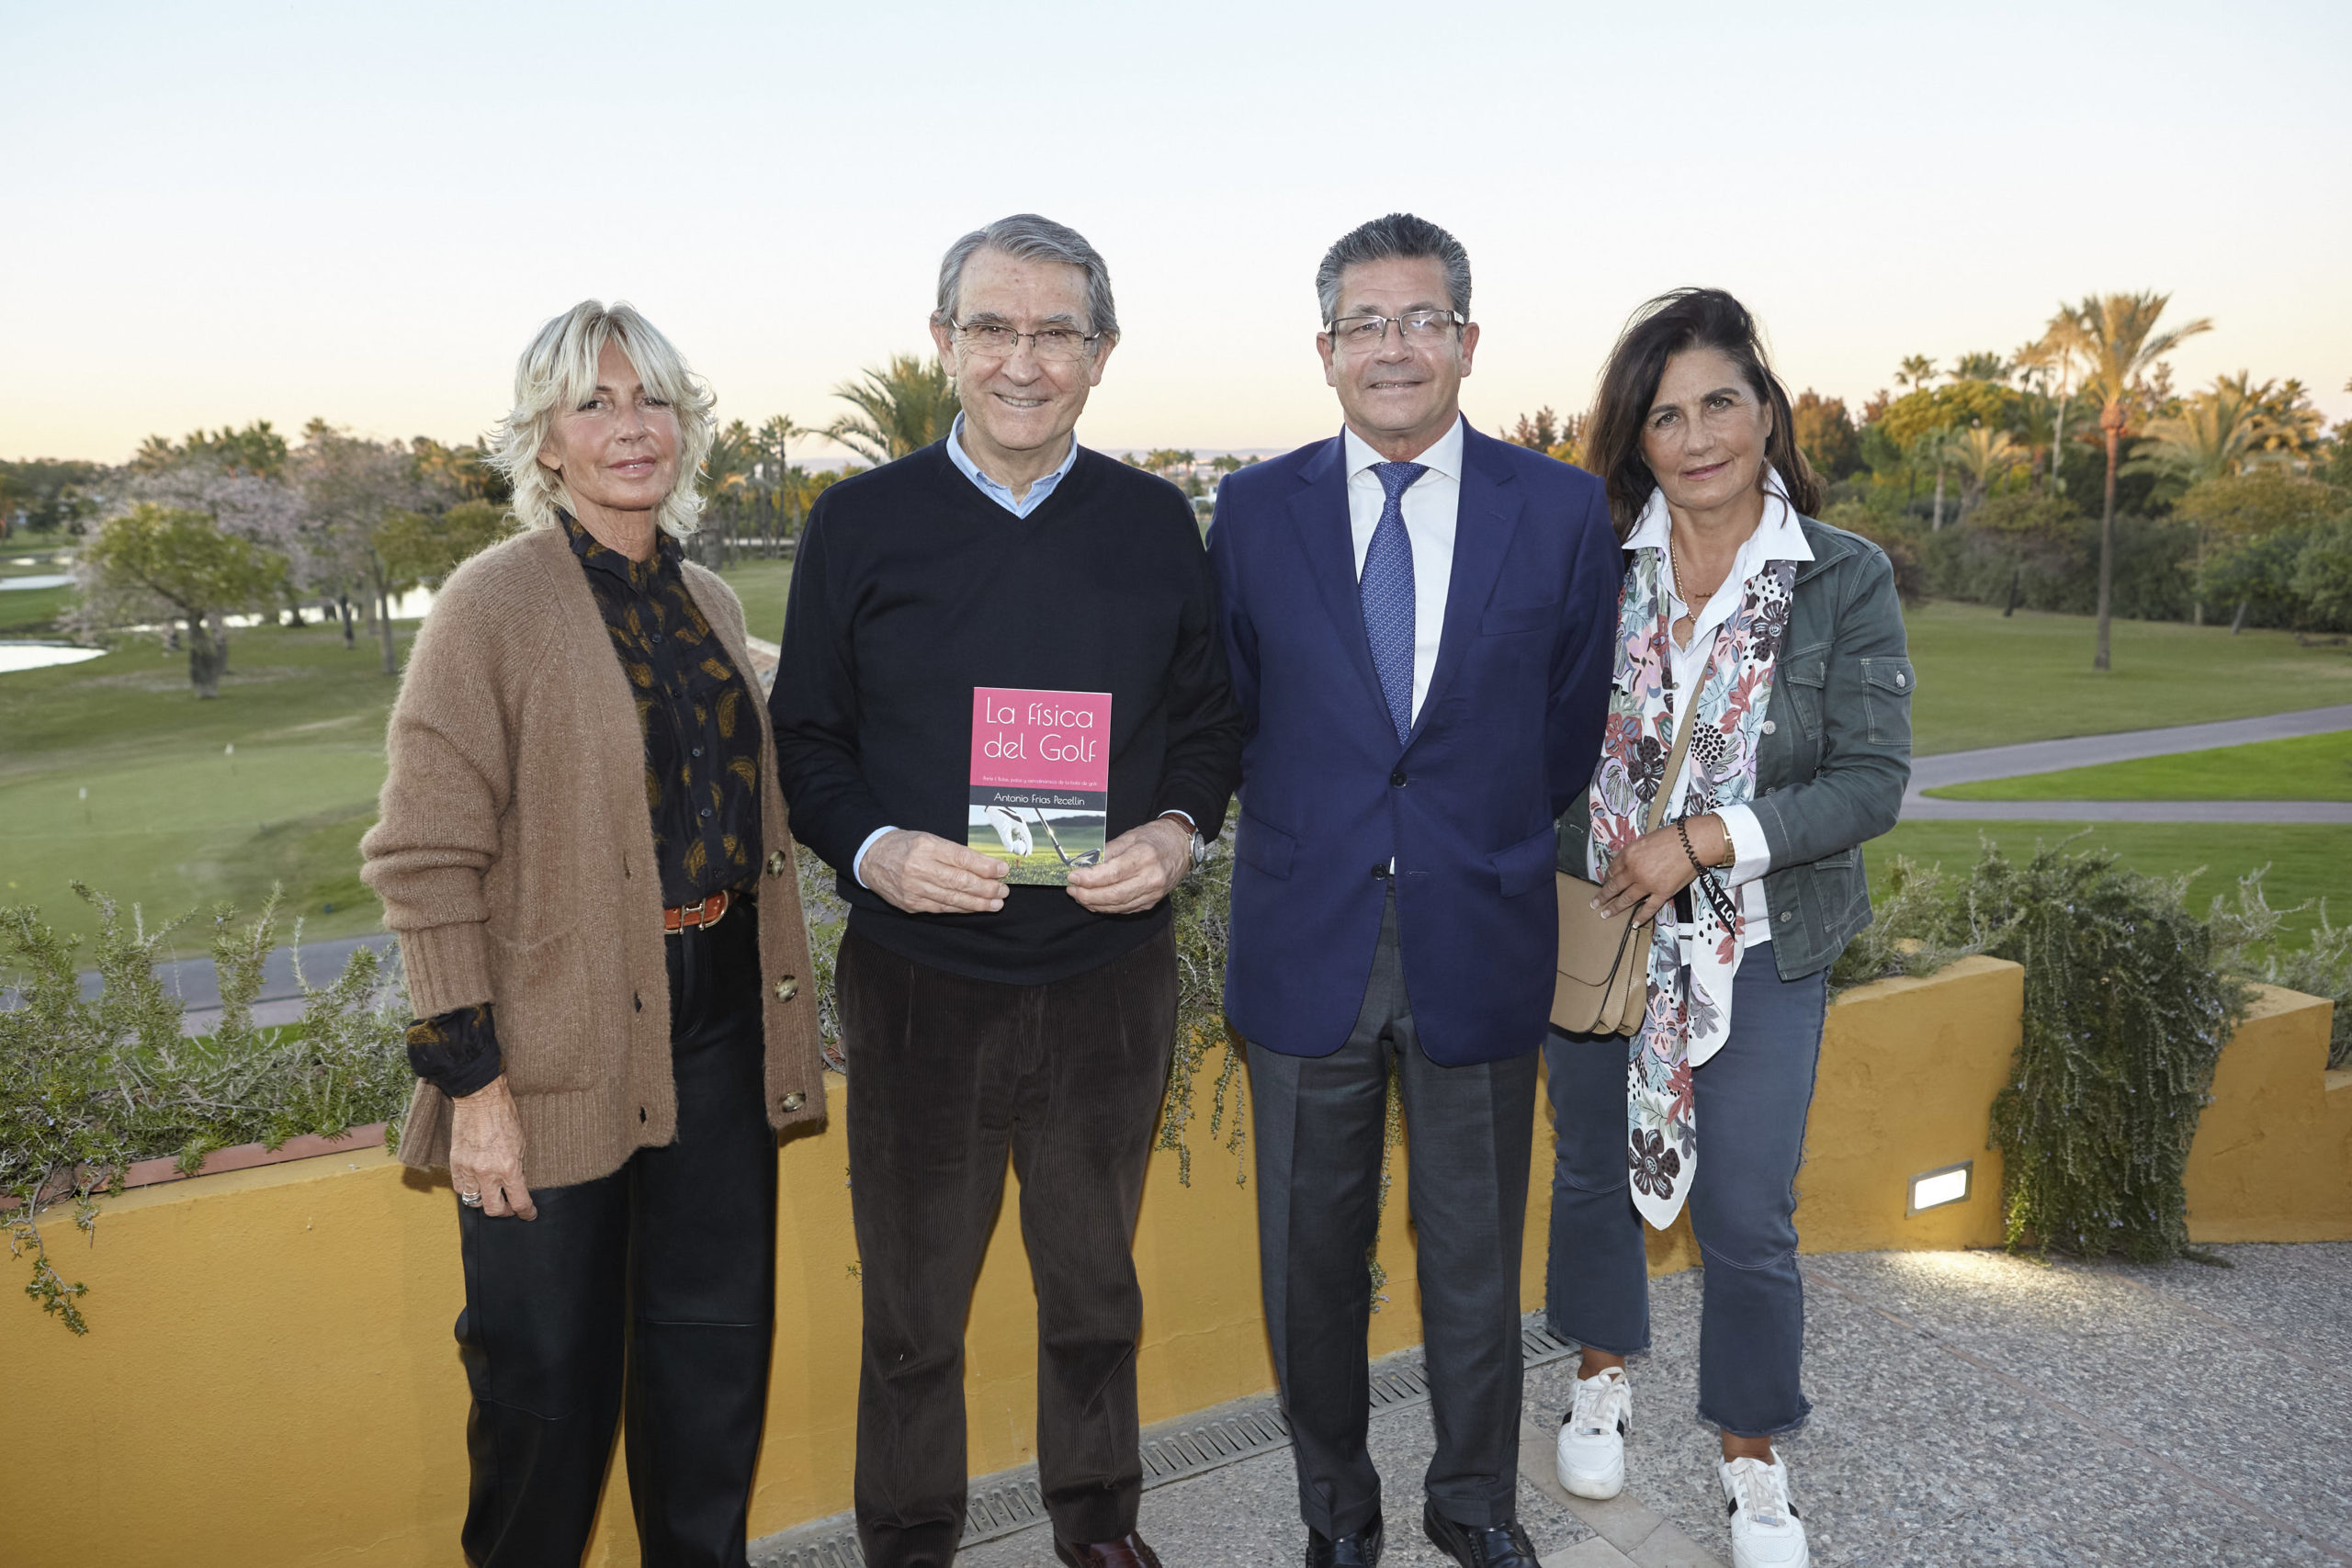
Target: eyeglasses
point(1420, 329)
point(995, 340)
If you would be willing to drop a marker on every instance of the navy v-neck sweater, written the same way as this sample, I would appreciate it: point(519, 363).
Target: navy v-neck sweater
point(910, 588)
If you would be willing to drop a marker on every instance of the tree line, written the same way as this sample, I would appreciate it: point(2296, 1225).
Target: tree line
point(2070, 474)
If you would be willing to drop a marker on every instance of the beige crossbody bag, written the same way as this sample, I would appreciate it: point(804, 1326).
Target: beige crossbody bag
point(1602, 987)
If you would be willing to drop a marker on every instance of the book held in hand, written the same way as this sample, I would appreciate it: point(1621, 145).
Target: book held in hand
point(1041, 779)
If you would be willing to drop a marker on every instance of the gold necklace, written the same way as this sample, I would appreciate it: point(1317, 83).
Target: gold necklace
point(1674, 568)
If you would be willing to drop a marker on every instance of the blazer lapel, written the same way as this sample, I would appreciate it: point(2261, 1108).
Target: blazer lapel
point(1318, 511)
point(1482, 531)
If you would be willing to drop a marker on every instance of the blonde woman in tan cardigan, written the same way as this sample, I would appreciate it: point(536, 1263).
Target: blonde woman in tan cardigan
point(584, 853)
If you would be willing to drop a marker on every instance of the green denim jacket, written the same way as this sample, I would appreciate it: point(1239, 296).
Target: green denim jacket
point(1836, 755)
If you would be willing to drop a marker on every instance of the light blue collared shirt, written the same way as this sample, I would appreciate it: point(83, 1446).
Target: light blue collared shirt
point(997, 492)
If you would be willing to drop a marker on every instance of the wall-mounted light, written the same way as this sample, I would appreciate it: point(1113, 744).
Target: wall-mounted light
point(1934, 1189)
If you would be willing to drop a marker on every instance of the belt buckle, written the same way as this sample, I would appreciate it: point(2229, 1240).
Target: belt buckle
point(699, 913)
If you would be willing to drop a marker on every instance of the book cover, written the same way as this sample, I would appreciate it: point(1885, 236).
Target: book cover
point(1041, 781)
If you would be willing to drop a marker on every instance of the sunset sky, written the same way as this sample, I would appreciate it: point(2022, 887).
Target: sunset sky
point(244, 210)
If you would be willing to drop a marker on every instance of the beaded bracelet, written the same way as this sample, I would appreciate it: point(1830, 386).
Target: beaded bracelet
point(1682, 830)
point(1715, 898)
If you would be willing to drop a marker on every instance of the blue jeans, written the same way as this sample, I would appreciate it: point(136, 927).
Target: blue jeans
point(1752, 1098)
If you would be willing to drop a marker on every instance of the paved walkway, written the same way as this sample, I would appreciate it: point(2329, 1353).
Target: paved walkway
point(2126, 746)
point(1971, 1410)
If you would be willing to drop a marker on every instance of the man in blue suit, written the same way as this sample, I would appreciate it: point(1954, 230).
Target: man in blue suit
point(1420, 620)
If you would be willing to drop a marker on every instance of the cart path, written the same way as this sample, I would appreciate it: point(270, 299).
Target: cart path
point(2125, 746)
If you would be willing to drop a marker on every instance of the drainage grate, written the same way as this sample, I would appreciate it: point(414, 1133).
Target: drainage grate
point(1173, 1451)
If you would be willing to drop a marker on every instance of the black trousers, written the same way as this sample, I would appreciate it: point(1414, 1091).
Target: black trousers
point(946, 1074)
point(1319, 1122)
point(651, 1290)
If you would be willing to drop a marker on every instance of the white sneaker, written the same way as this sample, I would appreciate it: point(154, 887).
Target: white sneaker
point(1765, 1530)
point(1592, 1436)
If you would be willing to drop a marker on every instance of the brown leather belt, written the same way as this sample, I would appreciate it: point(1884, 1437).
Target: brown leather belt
point(705, 912)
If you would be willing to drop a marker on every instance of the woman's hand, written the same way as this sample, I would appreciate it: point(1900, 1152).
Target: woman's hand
point(1655, 867)
point(486, 1151)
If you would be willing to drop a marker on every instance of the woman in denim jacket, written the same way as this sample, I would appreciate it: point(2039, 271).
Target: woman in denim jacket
point(1788, 636)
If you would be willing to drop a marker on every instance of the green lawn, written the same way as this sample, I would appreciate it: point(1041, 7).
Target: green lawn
point(761, 584)
point(2307, 861)
point(172, 820)
point(32, 612)
point(1985, 680)
point(2309, 767)
point(173, 823)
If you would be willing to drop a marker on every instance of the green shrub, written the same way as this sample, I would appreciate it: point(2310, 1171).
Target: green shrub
point(88, 1086)
point(2128, 1003)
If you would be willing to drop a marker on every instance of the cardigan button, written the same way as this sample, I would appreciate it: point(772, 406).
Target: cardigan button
point(787, 987)
point(1787, 914)
point(775, 863)
point(1770, 726)
point(793, 1101)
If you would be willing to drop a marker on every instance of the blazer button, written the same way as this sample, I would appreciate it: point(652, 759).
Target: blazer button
point(1398, 778)
point(787, 987)
point(775, 863)
point(1770, 726)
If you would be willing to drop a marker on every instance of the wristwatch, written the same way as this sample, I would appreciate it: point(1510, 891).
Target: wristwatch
point(1200, 846)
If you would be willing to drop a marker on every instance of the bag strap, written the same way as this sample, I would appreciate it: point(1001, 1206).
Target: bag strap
point(1673, 765)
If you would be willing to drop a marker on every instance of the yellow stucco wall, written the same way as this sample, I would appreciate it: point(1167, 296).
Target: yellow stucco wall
point(271, 1378)
point(2273, 1156)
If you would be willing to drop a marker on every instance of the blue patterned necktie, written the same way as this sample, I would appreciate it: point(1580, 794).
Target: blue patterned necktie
point(1386, 590)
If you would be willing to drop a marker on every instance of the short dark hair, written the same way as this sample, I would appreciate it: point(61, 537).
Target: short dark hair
point(1687, 317)
point(1399, 236)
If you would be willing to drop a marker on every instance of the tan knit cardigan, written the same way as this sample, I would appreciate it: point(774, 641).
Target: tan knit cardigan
point(515, 858)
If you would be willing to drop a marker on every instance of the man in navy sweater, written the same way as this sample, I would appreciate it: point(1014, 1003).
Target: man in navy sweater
point(979, 1016)
point(1419, 620)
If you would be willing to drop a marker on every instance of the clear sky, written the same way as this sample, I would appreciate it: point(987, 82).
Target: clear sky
point(233, 211)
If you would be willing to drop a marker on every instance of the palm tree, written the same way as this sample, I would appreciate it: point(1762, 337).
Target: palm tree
point(1982, 367)
point(1986, 456)
point(2051, 359)
point(1917, 371)
point(776, 440)
point(903, 408)
point(727, 466)
point(2214, 432)
point(2115, 336)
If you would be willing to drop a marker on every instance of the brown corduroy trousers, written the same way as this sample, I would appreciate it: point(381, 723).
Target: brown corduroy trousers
point(946, 1075)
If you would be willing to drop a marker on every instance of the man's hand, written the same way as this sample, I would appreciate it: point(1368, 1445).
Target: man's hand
point(1654, 867)
point(486, 1151)
point(1138, 868)
point(926, 874)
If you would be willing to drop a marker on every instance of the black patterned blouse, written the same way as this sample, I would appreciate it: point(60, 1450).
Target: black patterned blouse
point(702, 766)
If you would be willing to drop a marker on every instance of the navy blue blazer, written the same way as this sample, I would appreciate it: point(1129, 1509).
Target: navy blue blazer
point(1505, 738)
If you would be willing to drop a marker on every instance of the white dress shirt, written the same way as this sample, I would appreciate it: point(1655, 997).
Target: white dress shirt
point(1776, 537)
point(1431, 506)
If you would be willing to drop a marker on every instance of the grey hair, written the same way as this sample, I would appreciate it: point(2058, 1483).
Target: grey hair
point(1400, 236)
point(1030, 238)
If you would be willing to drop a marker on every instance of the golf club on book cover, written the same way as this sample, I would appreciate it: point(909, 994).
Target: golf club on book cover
point(1041, 779)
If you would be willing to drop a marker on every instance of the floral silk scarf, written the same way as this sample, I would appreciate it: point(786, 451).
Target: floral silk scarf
point(1692, 962)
